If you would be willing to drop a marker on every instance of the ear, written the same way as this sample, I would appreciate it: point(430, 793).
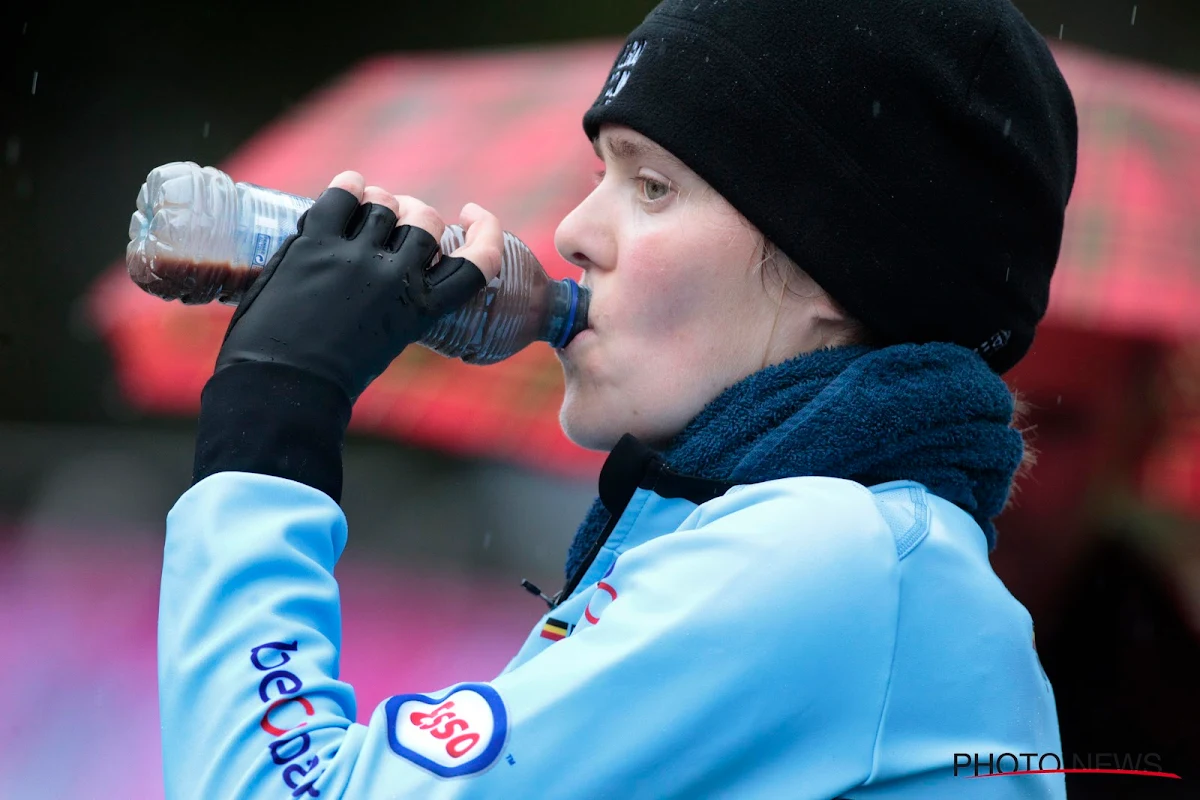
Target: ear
point(829, 311)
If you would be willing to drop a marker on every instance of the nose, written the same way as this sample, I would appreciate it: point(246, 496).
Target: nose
point(584, 237)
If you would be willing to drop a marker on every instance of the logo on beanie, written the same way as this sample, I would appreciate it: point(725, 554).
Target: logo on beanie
point(994, 342)
point(620, 74)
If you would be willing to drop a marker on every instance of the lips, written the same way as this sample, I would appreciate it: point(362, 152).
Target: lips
point(585, 334)
point(574, 345)
point(574, 350)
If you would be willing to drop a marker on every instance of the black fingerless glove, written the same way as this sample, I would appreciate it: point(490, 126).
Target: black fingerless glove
point(334, 306)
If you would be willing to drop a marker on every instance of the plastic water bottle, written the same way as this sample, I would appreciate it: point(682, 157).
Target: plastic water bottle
point(197, 237)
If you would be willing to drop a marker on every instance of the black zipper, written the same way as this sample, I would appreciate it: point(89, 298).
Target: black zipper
point(572, 584)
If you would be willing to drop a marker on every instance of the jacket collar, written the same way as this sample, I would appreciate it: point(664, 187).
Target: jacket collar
point(632, 465)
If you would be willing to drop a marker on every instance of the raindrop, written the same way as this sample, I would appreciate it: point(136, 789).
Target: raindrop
point(1007, 271)
point(876, 108)
point(1060, 399)
point(24, 28)
point(34, 90)
point(206, 129)
point(487, 540)
point(1133, 19)
point(1007, 126)
point(12, 150)
point(1060, 30)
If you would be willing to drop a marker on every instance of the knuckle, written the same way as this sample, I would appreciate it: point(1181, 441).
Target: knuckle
point(411, 204)
point(380, 197)
point(428, 219)
point(415, 212)
point(488, 256)
point(429, 215)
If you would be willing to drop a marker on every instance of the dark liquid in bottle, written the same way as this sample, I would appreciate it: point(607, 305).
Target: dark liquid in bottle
point(505, 321)
point(497, 323)
point(193, 282)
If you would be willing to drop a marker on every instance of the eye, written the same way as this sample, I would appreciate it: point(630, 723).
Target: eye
point(653, 190)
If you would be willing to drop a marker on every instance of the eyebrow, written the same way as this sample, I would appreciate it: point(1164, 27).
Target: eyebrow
point(621, 148)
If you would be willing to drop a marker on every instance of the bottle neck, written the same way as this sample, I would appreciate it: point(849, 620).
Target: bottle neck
point(568, 313)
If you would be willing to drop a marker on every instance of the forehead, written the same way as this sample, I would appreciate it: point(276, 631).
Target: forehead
point(625, 144)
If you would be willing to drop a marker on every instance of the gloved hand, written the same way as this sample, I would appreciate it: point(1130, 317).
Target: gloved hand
point(345, 295)
point(339, 301)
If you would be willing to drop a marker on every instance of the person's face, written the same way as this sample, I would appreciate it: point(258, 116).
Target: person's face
point(679, 309)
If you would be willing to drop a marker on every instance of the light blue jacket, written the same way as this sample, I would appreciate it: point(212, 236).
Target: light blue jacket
point(798, 638)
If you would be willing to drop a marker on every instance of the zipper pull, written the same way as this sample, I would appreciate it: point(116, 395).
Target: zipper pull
point(529, 587)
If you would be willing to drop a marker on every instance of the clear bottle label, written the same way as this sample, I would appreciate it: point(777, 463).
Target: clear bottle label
point(262, 249)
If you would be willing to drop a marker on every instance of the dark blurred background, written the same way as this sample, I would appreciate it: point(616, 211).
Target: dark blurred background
point(95, 97)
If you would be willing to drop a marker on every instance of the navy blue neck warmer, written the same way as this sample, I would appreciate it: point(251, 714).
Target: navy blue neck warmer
point(931, 413)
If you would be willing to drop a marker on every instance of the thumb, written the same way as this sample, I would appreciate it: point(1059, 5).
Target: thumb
point(484, 245)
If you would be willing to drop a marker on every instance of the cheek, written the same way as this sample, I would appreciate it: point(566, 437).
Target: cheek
point(649, 282)
point(673, 289)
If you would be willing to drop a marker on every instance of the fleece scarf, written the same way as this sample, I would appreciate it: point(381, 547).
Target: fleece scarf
point(932, 413)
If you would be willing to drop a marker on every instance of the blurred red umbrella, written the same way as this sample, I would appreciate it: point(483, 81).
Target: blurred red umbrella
point(1130, 259)
point(503, 129)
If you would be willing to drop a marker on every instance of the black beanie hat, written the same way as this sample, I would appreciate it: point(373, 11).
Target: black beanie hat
point(914, 157)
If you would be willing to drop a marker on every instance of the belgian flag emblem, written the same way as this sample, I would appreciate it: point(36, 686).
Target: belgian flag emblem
point(556, 629)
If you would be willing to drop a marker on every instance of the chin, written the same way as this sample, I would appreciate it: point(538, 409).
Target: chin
point(593, 419)
point(585, 431)
point(594, 426)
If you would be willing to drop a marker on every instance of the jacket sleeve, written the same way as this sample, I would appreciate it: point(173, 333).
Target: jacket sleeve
point(752, 643)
